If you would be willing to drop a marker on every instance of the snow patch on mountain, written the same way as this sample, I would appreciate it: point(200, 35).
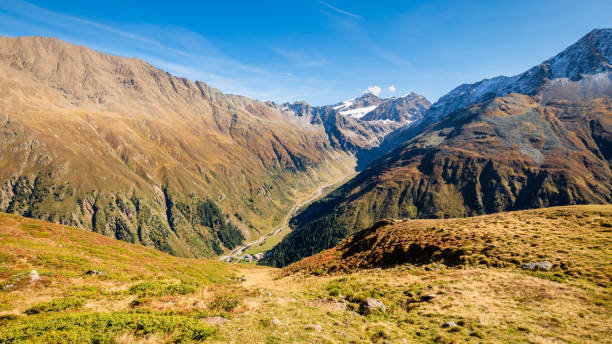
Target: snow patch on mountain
point(358, 112)
point(592, 54)
point(345, 104)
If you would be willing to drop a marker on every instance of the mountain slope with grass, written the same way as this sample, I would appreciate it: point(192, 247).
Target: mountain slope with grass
point(503, 240)
point(508, 151)
point(125, 149)
point(62, 284)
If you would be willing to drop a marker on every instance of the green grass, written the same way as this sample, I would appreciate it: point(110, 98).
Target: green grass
point(101, 328)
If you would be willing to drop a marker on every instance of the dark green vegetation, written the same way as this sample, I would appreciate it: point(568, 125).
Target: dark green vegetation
point(102, 328)
point(550, 146)
point(81, 277)
point(56, 305)
point(322, 233)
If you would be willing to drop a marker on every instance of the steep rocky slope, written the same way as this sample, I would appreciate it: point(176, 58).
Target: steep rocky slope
point(406, 110)
point(343, 132)
point(120, 147)
point(361, 125)
point(507, 151)
point(590, 55)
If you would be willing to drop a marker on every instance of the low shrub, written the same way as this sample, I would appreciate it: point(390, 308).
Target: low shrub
point(180, 289)
point(56, 305)
point(102, 327)
point(148, 289)
point(224, 303)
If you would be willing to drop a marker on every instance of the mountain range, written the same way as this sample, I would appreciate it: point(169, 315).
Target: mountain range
point(120, 147)
point(537, 139)
point(117, 146)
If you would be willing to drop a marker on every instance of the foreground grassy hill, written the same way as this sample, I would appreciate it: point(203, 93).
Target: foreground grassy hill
point(92, 288)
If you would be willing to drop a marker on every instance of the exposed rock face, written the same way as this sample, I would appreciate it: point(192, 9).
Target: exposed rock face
point(118, 146)
point(542, 266)
point(590, 56)
point(512, 151)
point(407, 109)
point(371, 305)
point(343, 132)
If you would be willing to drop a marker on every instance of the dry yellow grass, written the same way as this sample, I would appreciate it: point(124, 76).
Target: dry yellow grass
point(250, 304)
point(577, 240)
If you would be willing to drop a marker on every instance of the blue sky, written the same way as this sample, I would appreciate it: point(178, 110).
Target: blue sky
point(319, 51)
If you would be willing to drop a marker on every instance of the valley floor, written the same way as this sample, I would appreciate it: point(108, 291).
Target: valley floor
point(267, 241)
point(91, 288)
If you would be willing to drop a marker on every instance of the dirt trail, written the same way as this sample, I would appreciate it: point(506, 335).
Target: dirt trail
point(240, 250)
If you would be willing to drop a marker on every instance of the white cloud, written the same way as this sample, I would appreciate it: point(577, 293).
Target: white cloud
point(375, 90)
point(391, 88)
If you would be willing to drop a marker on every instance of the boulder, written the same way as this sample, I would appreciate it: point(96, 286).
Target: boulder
point(449, 324)
point(542, 266)
point(428, 297)
point(96, 272)
point(371, 305)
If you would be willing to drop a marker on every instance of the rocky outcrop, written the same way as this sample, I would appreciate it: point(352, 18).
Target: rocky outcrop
point(371, 305)
point(538, 266)
point(407, 109)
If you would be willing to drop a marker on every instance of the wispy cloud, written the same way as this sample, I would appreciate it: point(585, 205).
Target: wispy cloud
point(360, 36)
point(336, 9)
point(174, 49)
point(301, 58)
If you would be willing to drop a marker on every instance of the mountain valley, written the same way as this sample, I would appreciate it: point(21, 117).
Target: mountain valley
point(137, 206)
point(496, 150)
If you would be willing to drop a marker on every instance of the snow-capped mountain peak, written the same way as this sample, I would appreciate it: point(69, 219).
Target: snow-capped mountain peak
point(369, 107)
point(591, 54)
point(358, 107)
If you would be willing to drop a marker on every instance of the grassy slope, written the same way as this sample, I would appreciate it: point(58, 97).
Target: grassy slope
point(576, 239)
point(491, 304)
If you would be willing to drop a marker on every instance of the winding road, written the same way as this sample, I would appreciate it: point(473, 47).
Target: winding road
point(237, 252)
